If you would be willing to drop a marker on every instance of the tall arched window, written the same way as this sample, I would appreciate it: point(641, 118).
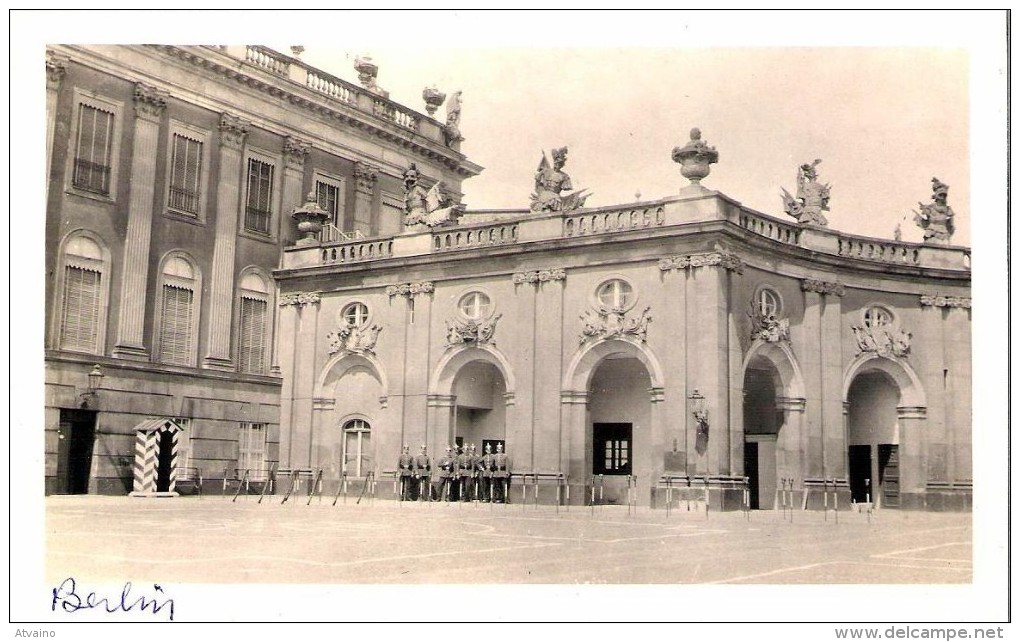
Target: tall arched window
point(83, 284)
point(253, 324)
point(357, 448)
point(180, 291)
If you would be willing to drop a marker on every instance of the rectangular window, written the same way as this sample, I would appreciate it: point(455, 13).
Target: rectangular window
point(328, 196)
point(94, 152)
point(251, 449)
point(79, 318)
point(184, 442)
point(258, 209)
point(612, 452)
point(251, 342)
point(185, 174)
point(175, 325)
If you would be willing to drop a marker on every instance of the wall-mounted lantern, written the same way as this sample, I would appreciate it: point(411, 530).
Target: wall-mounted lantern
point(95, 381)
point(699, 411)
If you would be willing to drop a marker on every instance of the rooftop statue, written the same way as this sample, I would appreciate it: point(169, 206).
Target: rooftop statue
point(550, 181)
point(426, 207)
point(452, 129)
point(695, 158)
point(812, 197)
point(936, 218)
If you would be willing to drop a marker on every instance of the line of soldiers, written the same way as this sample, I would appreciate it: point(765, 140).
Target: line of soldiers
point(460, 475)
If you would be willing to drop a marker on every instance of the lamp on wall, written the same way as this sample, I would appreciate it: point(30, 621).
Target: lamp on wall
point(699, 411)
point(94, 383)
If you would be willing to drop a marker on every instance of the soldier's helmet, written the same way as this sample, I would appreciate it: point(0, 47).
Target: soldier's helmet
point(404, 448)
point(499, 448)
point(423, 447)
point(488, 448)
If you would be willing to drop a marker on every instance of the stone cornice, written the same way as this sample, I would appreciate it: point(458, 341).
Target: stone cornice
point(539, 276)
point(723, 259)
point(321, 104)
point(822, 287)
point(149, 101)
point(942, 301)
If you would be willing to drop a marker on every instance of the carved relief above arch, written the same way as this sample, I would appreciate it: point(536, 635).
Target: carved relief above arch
point(441, 381)
point(781, 357)
point(909, 384)
point(586, 360)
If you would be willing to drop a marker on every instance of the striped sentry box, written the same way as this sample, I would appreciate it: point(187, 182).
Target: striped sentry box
point(147, 451)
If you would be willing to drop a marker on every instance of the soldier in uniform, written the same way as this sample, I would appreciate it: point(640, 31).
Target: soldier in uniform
point(486, 465)
point(466, 473)
point(446, 465)
point(501, 475)
point(423, 473)
point(405, 468)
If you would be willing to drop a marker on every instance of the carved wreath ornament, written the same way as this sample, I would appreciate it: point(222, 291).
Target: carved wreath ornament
point(611, 323)
point(352, 339)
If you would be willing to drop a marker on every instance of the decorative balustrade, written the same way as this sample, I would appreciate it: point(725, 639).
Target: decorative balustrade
point(392, 111)
point(332, 234)
point(615, 220)
point(876, 250)
point(332, 87)
point(265, 58)
point(353, 252)
point(770, 228)
point(461, 238)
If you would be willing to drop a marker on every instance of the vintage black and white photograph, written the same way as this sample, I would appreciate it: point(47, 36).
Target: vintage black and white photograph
point(512, 316)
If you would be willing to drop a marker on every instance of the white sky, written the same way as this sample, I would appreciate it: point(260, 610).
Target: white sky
point(884, 121)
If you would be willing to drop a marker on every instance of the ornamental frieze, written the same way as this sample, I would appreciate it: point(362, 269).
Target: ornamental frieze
point(299, 298)
point(726, 260)
point(884, 340)
point(471, 332)
point(822, 287)
point(539, 276)
point(608, 324)
point(352, 339)
point(410, 289)
point(941, 301)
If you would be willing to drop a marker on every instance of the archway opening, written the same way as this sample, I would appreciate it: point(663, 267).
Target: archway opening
point(762, 422)
point(619, 427)
point(480, 407)
point(873, 439)
point(345, 443)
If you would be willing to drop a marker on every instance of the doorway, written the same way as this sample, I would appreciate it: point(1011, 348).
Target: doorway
point(77, 435)
point(751, 472)
point(165, 464)
point(611, 448)
point(860, 474)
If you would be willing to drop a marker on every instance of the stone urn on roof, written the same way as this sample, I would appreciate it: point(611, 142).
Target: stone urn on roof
point(695, 158)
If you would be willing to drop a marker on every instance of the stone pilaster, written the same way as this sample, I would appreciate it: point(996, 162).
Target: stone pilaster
point(228, 195)
point(823, 438)
point(56, 69)
point(364, 189)
point(298, 331)
point(295, 151)
point(149, 106)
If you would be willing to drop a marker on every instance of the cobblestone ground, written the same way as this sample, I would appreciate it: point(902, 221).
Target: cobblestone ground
point(212, 539)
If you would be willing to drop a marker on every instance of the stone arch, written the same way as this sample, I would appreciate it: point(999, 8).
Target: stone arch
point(451, 363)
point(909, 384)
point(781, 357)
point(341, 363)
point(579, 373)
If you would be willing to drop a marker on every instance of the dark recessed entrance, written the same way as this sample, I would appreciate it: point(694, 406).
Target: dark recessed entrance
point(611, 445)
point(77, 435)
point(166, 461)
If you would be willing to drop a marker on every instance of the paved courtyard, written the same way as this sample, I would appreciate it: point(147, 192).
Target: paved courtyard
point(216, 540)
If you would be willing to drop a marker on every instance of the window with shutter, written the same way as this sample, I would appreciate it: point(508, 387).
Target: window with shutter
point(94, 150)
point(176, 325)
point(186, 171)
point(258, 210)
point(252, 339)
point(79, 319)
